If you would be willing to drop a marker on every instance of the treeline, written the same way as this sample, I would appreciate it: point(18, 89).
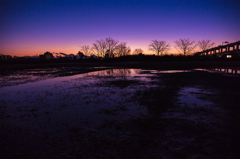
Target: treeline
point(107, 48)
point(110, 47)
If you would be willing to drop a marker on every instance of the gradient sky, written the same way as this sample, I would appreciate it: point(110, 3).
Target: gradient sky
point(30, 27)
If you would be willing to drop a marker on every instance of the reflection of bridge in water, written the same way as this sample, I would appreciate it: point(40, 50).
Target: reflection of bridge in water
point(229, 49)
point(232, 70)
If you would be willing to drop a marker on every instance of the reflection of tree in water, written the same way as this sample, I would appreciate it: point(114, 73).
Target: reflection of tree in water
point(102, 73)
point(115, 73)
point(123, 72)
point(109, 72)
point(138, 71)
point(112, 72)
point(118, 72)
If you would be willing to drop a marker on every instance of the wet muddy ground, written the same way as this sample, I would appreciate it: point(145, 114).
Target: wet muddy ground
point(120, 113)
point(15, 77)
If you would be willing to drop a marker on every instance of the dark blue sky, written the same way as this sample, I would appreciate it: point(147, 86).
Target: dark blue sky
point(30, 27)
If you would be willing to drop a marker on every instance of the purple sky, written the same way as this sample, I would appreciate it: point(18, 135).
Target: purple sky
point(30, 27)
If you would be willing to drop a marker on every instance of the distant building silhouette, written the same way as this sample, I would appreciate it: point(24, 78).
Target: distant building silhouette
point(5, 57)
point(46, 56)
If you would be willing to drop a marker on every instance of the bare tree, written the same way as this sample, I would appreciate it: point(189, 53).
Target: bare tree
point(111, 44)
point(122, 49)
point(159, 46)
point(185, 46)
point(205, 44)
point(86, 49)
point(103, 46)
point(137, 51)
point(96, 49)
point(99, 47)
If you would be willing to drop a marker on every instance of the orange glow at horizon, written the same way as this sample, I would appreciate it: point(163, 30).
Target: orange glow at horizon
point(30, 49)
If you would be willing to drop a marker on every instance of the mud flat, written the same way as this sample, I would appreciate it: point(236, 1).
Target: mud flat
point(120, 113)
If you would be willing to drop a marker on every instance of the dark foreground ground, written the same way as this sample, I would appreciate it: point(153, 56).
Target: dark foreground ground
point(171, 128)
point(148, 64)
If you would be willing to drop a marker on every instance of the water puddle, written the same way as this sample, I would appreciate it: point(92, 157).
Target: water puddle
point(192, 96)
point(193, 105)
point(10, 78)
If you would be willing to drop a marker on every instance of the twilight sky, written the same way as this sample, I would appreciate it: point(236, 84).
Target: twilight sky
point(30, 27)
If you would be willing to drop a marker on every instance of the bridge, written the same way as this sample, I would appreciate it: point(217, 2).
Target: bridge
point(229, 49)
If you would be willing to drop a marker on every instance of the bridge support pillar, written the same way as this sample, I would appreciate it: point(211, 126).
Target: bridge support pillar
point(235, 71)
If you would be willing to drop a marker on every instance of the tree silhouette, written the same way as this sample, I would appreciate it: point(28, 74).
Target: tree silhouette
point(111, 44)
point(185, 46)
point(109, 54)
point(137, 51)
point(100, 47)
point(159, 46)
point(205, 44)
point(122, 49)
point(86, 49)
point(81, 54)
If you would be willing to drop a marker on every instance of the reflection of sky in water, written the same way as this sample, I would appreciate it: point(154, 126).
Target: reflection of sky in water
point(193, 106)
point(170, 71)
point(33, 75)
point(191, 96)
point(93, 77)
point(9, 78)
point(25, 76)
